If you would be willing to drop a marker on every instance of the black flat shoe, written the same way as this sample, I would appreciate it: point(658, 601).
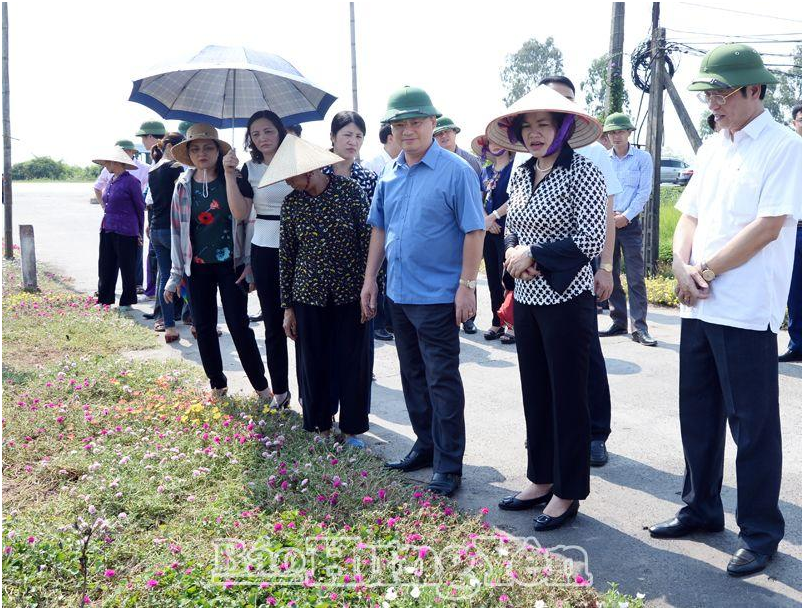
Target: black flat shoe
point(678, 529)
point(469, 327)
point(790, 356)
point(545, 523)
point(745, 562)
point(383, 335)
point(643, 337)
point(493, 335)
point(257, 318)
point(444, 484)
point(514, 503)
point(414, 460)
point(613, 331)
point(598, 456)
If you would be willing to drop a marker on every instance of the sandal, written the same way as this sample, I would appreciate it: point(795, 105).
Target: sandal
point(491, 335)
point(171, 338)
point(159, 326)
point(507, 339)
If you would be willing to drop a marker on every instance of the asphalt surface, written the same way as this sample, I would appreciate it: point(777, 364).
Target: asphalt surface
point(641, 484)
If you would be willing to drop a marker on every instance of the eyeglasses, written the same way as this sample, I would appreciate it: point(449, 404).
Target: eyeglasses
point(706, 97)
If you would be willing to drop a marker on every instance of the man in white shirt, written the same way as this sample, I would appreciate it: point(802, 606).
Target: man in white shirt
point(732, 258)
point(390, 151)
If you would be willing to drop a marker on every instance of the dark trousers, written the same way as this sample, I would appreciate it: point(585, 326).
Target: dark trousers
point(204, 283)
point(117, 253)
point(493, 258)
point(333, 347)
point(598, 390)
point(139, 269)
point(794, 299)
point(265, 268)
point(428, 347)
point(732, 374)
point(150, 289)
point(383, 317)
point(552, 344)
point(628, 244)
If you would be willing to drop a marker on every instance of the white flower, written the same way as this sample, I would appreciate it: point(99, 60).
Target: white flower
point(502, 551)
point(640, 596)
point(390, 594)
point(122, 516)
point(415, 592)
point(539, 603)
point(624, 605)
point(474, 582)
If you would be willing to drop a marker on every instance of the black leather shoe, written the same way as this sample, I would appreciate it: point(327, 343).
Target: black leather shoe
point(444, 484)
point(613, 331)
point(678, 529)
point(544, 523)
point(148, 316)
point(257, 318)
point(514, 503)
point(790, 356)
point(415, 460)
point(745, 562)
point(642, 336)
point(469, 327)
point(383, 335)
point(598, 456)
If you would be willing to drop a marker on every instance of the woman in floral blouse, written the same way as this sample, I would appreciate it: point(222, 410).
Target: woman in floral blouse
point(211, 248)
point(323, 245)
point(556, 224)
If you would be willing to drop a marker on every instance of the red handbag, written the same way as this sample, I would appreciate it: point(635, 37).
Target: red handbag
point(506, 311)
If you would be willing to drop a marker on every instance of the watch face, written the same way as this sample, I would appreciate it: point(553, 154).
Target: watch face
point(708, 275)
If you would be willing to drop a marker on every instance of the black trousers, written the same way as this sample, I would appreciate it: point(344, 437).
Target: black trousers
point(731, 374)
point(333, 347)
point(552, 343)
point(429, 349)
point(117, 253)
point(493, 258)
point(598, 390)
point(265, 268)
point(204, 283)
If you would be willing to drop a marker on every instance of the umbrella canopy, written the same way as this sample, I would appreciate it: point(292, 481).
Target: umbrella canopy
point(224, 86)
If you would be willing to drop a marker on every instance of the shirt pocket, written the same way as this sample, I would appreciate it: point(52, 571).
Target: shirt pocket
point(630, 178)
point(745, 189)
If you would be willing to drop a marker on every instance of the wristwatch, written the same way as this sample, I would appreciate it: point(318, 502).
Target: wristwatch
point(706, 273)
point(470, 284)
point(607, 267)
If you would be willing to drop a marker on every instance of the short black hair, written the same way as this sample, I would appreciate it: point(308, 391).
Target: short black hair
point(796, 109)
point(385, 131)
point(343, 118)
point(557, 79)
point(710, 120)
point(296, 129)
point(762, 90)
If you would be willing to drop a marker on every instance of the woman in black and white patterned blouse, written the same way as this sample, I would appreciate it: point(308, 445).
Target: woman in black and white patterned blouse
point(556, 225)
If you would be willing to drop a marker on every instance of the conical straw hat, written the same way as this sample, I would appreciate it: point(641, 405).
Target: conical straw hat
point(544, 98)
point(116, 154)
point(295, 157)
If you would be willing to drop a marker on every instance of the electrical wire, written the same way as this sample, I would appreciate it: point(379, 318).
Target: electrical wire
point(731, 10)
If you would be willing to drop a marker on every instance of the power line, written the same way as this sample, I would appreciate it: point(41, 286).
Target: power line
point(730, 10)
point(734, 35)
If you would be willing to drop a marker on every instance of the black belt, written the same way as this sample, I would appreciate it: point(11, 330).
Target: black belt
point(268, 217)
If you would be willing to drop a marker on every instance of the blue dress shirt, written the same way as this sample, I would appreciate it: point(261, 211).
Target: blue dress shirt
point(426, 210)
point(635, 173)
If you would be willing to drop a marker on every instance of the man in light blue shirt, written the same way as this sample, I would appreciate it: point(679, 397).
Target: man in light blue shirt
point(634, 169)
point(428, 221)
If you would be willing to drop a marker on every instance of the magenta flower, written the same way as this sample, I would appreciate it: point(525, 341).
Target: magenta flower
point(381, 494)
point(368, 500)
point(109, 573)
point(152, 583)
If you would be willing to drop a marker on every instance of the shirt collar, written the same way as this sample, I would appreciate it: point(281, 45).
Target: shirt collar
point(430, 157)
point(756, 126)
point(630, 153)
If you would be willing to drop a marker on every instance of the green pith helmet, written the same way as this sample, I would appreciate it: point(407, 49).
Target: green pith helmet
point(409, 103)
point(445, 123)
point(125, 144)
point(184, 126)
point(731, 65)
point(151, 128)
point(617, 121)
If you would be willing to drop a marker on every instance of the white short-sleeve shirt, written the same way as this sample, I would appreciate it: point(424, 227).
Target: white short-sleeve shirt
point(758, 174)
point(267, 202)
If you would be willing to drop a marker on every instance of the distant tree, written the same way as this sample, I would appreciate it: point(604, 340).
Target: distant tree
point(594, 88)
point(703, 125)
point(781, 97)
point(524, 69)
point(46, 168)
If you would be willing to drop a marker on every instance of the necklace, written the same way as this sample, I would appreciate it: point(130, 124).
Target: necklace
point(539, 167)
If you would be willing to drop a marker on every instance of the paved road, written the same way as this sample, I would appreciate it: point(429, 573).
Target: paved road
point(640, 485)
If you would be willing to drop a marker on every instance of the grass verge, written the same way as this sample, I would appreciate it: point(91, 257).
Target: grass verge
point(125, 484)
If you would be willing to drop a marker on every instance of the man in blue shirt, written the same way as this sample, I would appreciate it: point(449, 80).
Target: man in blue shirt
point(634, 170)
point(428, 222)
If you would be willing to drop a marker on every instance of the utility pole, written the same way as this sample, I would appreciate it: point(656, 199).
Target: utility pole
point(354, 56)
point(650, 230)
point(615, 88)
point(686, 122)
point(7, 234)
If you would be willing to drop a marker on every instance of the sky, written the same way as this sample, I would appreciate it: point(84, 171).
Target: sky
point(72, 64)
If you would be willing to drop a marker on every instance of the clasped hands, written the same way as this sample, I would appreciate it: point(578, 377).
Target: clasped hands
point(690, 285)
point(520, 264)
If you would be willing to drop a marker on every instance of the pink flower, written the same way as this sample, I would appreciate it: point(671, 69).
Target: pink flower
point(31, 539)
point(336, 481)
point(368, 500)
point(504, 598)
point(152, 583)
point(423, 552)
point(484, 511)
point(580, 580)
point(109, 573)
point(381, 494)
point(228, 584)
point(264, 585)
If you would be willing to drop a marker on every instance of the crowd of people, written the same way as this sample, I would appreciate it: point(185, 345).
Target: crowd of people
point(342, 252)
